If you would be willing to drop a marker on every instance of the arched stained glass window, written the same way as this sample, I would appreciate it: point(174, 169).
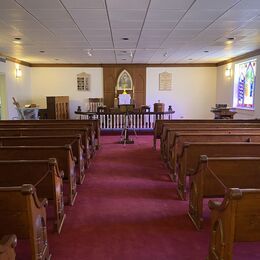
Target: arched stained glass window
point(245, 82)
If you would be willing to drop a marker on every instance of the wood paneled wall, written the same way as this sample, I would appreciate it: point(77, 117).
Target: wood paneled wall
point(110, 75)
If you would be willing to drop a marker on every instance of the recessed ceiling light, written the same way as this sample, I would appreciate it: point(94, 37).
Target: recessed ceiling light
point(42, 51)
point(125, 38)
point(89, 53)
point(165, 54)
point(57, 59)
point(205, 51)
point(190, 59)
point(230, 40)
point(17, 40)
point(123, 59)
point(123, 51)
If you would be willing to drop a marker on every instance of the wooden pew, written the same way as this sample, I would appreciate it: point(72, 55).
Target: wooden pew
point(181, 138)
point(236, 219)
point(167, 137)
point(63, 154)
point(44, 175)
point(160, 122)
point(22, 201)
point(51, 131)
point(215, 175)
point(73, 140)
point(93, 123)
point(7, 247)
point(188, 160)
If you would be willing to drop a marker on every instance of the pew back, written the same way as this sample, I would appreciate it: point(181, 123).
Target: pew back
point(63, 154)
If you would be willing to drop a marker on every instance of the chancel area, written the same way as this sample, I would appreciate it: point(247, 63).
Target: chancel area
point(129, 129)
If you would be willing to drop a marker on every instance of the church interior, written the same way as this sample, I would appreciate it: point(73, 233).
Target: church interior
point(129, 129)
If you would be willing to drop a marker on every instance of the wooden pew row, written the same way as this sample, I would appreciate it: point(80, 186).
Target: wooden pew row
point(181, 138)
point(31, 224)
point(44, 175)
point(93, 123)
point(160, 122)
point(215, 175)
point(63, 154)
point(51, 131)
point(167, 137)
point(236, 219)
point(73, 140)
point(188, 160)
point(7, 247)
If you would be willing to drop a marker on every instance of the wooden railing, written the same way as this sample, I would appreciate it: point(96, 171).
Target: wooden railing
point(117, 120)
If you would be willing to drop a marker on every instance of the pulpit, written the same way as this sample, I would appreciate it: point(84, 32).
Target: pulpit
point(223, 112)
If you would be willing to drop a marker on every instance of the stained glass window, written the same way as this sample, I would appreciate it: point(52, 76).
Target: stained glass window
point(245, 82)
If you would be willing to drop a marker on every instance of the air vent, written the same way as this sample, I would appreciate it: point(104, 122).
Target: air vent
point(2, 59)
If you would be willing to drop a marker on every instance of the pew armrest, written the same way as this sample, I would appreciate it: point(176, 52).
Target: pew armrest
point(9, 241)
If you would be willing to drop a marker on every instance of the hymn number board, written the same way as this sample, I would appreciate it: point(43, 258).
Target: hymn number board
point(165, 81)
point(83, 81)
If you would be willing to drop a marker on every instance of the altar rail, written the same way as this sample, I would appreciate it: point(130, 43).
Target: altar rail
point(117, 120)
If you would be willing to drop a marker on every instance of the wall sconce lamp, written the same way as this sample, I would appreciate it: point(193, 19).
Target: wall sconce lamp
point(18, 73)
point(228, 72)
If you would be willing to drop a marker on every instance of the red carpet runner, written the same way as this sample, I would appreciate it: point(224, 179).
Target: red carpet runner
point(127, 209)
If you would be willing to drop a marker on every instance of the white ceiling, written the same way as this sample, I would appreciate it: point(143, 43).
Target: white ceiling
point(159, 31)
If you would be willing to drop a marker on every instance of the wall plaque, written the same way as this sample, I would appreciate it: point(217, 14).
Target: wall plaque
point(83, 81)
point(165, 81)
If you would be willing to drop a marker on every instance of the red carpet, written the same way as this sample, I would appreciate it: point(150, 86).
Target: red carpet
point(127, 209)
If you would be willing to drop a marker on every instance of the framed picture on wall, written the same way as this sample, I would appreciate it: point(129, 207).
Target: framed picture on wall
point(83, 81)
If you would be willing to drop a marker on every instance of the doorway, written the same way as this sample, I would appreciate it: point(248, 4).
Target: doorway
point(3, 104)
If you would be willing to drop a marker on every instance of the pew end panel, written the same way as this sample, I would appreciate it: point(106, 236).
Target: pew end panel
point(31, 224)
point(236, 219)
point(7, 247)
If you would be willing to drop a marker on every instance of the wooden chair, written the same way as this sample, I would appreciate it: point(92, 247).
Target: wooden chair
point(23, 201)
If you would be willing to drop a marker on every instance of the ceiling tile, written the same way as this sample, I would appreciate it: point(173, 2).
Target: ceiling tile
point(126, 4)
point(119, 15)
point(171, 4)
point(213, 4)
point(39, 4)
point(164, 15)
point(86, 4)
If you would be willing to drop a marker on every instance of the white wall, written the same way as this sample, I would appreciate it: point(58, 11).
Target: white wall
point(63, 82)
point(20, 88)
point(193, 90)
point(225, 90)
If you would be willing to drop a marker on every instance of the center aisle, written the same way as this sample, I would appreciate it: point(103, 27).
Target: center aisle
point(127, 209)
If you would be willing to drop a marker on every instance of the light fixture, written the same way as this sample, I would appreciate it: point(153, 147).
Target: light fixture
point(165, 54)
point(18, 72)
point(230, 40)
point(131, 54)
point(89, 53)
point(228, 72)
point(17, 40)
